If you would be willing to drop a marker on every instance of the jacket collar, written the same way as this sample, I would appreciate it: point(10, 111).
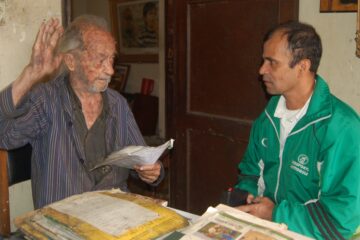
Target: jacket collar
point(319, 107)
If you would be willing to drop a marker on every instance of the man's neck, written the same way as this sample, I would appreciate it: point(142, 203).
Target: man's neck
point(91, 103)
point(297, 99)
point(82, 92)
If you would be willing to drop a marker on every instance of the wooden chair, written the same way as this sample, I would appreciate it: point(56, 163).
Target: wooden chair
point(15, 167)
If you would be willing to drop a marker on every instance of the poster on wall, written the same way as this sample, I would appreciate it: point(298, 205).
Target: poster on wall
point(338, 5)
point(135, 26)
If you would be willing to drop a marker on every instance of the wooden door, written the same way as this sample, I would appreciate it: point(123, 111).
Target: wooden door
point(213, 90)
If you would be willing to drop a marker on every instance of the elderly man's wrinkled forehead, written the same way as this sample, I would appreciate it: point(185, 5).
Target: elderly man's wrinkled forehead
point(95, 36)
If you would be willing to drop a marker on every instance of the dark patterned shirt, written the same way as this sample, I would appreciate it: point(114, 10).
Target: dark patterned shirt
point(45, 119)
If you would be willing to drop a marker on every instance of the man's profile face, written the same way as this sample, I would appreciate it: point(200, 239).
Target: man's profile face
point(278, 77)
point(95, 65)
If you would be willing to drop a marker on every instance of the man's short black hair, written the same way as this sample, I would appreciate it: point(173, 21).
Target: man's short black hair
point(303, 42)
point(148, 7)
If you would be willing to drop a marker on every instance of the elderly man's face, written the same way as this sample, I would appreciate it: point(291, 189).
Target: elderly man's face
point(95, 65)
point(278, 77)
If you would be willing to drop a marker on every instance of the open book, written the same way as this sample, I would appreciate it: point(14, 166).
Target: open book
point(105, 215)
point(132, 155)
point(224, 222)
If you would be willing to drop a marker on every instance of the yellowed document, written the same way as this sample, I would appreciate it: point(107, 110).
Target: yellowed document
point(112, 216)
point(106, 215)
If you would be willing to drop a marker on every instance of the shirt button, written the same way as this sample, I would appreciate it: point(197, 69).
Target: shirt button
point(106, 169)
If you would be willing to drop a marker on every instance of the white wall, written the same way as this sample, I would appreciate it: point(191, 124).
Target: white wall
point(339, 65)
point(22, 19)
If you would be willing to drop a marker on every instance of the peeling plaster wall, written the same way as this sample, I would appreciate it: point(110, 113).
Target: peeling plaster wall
point(19, 23)
point(22, 19)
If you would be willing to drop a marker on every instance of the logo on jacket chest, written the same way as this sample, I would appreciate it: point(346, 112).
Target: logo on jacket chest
point(300, 165)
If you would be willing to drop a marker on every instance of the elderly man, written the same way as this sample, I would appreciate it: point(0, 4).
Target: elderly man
point(72, 121)
point(302, 163)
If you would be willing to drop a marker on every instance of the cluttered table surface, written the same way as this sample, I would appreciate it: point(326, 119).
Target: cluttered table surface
point(115, 215)
point(108, 214)
point(18, 235)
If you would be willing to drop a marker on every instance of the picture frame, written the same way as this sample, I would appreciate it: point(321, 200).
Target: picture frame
point(338, 5)
point(119, 79)
point(66, 12)
point(135, 25)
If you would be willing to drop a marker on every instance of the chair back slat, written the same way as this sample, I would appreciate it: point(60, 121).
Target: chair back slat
point(19, 164)
point(15, 167)
point(4, 196)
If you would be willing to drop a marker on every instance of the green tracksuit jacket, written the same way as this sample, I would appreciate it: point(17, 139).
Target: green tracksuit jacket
point(316, 186)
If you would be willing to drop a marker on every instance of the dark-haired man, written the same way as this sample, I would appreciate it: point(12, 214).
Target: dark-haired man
point(148, 36)
point(302, 163)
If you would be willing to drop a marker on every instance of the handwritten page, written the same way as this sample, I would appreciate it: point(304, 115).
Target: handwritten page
point(136, 155)
point(111, 215)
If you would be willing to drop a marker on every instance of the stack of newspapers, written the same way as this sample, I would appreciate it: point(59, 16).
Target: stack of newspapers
point(111, 215)
point(228, 223)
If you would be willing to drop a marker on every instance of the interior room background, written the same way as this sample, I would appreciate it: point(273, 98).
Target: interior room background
point(20, 19)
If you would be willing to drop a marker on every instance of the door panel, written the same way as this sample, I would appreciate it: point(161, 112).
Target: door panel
point(213, 92)
point(224, 58)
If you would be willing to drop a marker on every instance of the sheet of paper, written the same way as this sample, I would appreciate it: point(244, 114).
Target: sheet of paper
point(136, 155)
point(109, 214)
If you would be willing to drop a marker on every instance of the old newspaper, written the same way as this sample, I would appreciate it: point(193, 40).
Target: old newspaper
point(228, 223)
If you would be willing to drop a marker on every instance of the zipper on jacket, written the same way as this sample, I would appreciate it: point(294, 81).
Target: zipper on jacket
point(280, 164)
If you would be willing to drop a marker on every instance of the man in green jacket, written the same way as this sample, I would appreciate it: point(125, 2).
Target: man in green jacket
point(302, 164)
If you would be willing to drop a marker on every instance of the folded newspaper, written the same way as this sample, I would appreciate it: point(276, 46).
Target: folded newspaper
point(136, 155)
point(228, 223)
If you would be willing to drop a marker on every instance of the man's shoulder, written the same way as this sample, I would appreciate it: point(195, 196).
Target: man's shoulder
point(44, 90)
point(269, 110)
point(55, 84)
point(343, 114)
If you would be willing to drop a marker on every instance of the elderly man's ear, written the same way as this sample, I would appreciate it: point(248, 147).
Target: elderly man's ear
point(69, 61)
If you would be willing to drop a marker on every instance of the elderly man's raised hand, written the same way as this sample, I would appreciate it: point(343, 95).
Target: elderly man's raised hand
point(43, 62)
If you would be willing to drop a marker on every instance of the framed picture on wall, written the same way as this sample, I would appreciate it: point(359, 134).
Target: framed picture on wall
point(135, 24)
point(66, 12)
point(338, 5)
point(119, 79)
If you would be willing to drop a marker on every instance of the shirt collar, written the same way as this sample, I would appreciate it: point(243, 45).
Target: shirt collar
point(75, 101)
point(282, 112)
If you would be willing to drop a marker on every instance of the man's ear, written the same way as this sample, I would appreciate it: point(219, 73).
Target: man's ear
point(305, 65)
point(69, 61)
